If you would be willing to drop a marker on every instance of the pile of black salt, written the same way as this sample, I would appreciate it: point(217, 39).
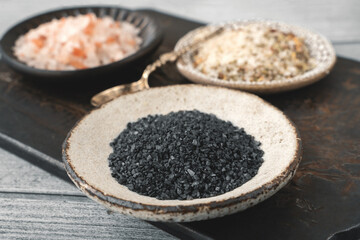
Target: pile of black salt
point(184, 155)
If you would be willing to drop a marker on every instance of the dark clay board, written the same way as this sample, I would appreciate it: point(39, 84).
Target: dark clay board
point(323, 197)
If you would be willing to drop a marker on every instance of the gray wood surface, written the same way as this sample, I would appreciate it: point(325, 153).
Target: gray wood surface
point(36, 205)
point(18, 176)
point(338, 20)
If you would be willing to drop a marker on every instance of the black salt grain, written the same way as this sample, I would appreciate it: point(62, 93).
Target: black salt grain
point(184, 155)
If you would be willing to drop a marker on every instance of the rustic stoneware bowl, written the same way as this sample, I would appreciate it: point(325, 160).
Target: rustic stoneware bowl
point(320, 49)
point(86, 150)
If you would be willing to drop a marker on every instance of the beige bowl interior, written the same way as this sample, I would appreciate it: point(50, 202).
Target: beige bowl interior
point(320, 49)
point(87, 148)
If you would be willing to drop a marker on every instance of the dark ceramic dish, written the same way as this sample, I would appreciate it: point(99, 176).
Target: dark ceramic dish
point(150, 33)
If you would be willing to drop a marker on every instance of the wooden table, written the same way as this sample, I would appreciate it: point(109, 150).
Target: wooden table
point(38, 205)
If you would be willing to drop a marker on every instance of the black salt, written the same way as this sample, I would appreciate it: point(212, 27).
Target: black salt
point(184, 155)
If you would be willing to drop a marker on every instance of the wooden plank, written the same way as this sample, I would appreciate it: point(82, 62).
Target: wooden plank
point(19, 176)
point(348, 50)
point(336, 19)
point(323, 197)
point(300, 208)
point(36, 205)
point(67, 218)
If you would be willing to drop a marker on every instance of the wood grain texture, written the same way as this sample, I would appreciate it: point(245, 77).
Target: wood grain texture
point(67, 218)
point(322, 198)
point(36, 205)
point(348, 50)
point(338, 20)
point(18, 176)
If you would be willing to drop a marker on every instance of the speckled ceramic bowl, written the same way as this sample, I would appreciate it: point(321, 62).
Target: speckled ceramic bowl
point(320, 49)
point(86, 150)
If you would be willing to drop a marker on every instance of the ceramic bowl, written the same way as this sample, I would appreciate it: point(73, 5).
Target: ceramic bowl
point(320, 49)
point(86, 150)
point(150, 33)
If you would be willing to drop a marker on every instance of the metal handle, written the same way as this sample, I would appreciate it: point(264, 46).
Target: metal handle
point(114, 92)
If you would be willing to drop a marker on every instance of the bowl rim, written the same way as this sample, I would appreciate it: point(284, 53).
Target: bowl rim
point(23, 67)
point(318, 72)
point(135, 208)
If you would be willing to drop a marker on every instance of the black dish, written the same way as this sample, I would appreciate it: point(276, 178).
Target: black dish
point(150, 33)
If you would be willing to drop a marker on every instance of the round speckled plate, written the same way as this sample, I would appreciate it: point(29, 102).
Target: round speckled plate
point(86, 150)
point(320, 49)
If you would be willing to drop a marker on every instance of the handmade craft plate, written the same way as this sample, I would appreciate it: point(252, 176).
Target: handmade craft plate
point(320, 49)
point(150, 33)
point(86, 150)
